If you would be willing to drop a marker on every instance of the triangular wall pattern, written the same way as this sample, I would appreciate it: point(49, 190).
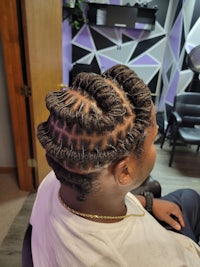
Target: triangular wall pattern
point(157, 56)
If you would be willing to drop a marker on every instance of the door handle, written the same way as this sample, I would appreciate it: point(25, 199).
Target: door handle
point(62, 86)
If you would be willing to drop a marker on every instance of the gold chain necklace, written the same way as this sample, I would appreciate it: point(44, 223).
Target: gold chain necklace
point(95, 216)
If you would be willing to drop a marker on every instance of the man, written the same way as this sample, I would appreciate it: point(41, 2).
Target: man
point(99, 141)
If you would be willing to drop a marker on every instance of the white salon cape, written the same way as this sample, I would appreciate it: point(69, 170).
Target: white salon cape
point(60, 238)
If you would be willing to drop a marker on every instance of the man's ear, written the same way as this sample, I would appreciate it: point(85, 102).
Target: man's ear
point(121, 172)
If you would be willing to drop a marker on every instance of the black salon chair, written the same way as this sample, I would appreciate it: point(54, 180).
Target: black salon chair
point(184, 121)
point(149, 185)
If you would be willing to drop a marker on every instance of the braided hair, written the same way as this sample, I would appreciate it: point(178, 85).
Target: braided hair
point(95, 122)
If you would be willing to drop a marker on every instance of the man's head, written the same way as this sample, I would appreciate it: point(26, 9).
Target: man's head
point(96, 122)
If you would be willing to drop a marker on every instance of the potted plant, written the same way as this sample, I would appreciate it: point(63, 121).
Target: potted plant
point(74, 12)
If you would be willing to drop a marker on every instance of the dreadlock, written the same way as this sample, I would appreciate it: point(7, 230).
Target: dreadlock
point(95, 122)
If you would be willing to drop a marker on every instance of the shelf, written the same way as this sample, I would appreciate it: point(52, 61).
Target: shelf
point(134, 17)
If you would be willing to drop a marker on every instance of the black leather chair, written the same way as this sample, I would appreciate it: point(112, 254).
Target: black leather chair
point(149, 185)
point(184, 121)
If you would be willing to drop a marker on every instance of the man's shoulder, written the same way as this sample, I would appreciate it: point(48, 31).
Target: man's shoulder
point(49, 180)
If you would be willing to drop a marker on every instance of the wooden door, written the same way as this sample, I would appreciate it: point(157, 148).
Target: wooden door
point(10, 38)
point(41, 44)
point(42, 27)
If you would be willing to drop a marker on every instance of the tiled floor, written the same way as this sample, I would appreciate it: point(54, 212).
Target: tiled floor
point(185, 170)
point(11, 201)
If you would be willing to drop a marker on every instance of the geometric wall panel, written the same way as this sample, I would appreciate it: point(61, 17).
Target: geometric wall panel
point(120, 53)
point(193, 38)
point(176, 76)
point(184, 80)
point(157, 56)
point(175, 36)
point(139, 49)
point(143, 45)
point(153, 83)
point(146, 73)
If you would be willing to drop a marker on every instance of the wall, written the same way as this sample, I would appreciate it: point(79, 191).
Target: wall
point(141, 50)
point(158, 56)
point(7, 158)
point(176, 76)
point(66, 51)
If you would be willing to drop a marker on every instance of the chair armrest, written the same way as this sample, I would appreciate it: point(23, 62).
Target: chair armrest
point(177, 117)
point(149, 185)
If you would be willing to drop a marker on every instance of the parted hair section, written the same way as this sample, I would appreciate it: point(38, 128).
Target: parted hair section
point(95, 122)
